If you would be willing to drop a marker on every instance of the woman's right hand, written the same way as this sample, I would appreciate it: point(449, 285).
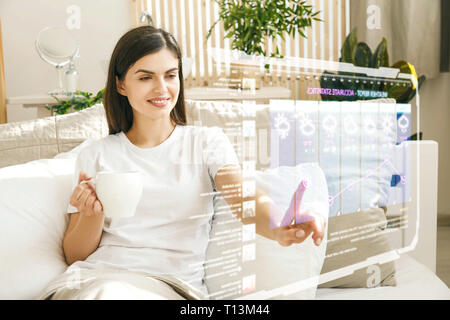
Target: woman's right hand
point(84, 197)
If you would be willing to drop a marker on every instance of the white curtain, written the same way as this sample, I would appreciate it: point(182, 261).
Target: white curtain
point(411, 28)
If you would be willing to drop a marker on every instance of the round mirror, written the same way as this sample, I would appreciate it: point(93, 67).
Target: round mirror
point(57, 46)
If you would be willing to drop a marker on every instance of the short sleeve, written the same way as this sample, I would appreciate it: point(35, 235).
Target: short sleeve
point(86, 161)
point(218, 151)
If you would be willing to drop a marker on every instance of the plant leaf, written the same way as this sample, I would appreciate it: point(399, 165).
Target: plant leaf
point(348, 47)
point(362, 56)
point(381, 57)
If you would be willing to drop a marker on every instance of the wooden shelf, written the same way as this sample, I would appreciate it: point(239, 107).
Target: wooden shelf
point(264, 93)
point(32, 99)
point(200, 93)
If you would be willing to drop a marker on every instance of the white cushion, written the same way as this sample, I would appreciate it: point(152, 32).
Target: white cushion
point(33, 200)
point(33, 204)
point(24, 141)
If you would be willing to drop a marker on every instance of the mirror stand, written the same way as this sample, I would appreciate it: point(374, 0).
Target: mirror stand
point(60, 89)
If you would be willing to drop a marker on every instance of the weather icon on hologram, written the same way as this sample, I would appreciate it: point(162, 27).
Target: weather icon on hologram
point(403, 123)
point(350, 126)
point(282, 126)
point(388, 124)
point(329, 124)
point(307, 127)
point(369, 126)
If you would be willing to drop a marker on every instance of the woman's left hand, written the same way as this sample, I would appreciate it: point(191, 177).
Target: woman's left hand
point(311, 223)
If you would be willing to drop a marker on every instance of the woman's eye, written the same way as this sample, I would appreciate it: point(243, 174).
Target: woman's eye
point(172, 76)
point(144, 78)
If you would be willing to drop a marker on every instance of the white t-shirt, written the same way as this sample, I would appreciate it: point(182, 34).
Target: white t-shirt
point(170, 231)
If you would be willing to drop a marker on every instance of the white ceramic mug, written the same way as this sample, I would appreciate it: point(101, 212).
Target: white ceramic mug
point(119, 192)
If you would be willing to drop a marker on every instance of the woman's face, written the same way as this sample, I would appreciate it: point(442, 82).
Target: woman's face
point(152, 85)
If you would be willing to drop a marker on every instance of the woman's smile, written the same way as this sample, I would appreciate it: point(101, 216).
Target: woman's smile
point(159, 102)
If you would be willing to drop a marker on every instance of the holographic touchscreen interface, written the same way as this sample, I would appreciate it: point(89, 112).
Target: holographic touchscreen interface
point(331, 139)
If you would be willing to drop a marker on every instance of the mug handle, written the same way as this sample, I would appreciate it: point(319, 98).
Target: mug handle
point(92, 180)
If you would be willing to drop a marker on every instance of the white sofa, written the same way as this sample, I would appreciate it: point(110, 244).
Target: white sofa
point(35, 183)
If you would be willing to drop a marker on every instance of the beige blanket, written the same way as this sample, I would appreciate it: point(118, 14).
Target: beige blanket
point(101, 284)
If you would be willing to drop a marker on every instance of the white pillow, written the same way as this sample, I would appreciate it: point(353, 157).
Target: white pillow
point(33, 201)
point(280, 272)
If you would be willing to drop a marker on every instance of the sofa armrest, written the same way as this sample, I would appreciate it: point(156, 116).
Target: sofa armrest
point(425, 250)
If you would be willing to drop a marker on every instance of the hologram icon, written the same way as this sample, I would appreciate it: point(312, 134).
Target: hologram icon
point(248, 188)
point(249, 284)
point(369, 126)
point(307, 127)
point(248, 168)
point(403, 123)
point(282, 126)
point(330, 124)
point(350, 126)
point(248, 209)
point(388, 124)
point(248, 232)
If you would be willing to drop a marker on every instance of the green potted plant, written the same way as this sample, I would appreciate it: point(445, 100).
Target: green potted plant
point(249, 22)
point(360, 55)
point(78, 101)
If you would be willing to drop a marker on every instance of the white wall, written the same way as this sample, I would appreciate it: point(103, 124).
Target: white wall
point(102, 24)
point(435, 125)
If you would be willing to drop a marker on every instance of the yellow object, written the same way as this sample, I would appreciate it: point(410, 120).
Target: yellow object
point(406, 67)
